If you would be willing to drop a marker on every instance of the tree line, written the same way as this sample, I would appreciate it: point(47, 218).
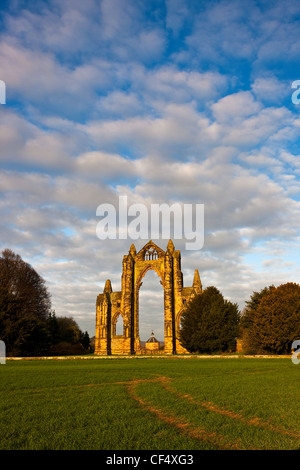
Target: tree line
point(269, 323)
point(28, 325)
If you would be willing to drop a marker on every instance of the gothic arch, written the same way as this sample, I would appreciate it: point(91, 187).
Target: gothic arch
point(114, 323)
point(137, 287)
point(178, 318)
point(149, 267)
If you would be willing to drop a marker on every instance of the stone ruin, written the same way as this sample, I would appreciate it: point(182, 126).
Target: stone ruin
point(110, 305)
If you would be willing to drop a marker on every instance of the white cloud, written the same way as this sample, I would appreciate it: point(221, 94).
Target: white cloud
point(271, 90)
point(119, 103)
point(26, 144)
point(105, 100)
point(104, 166)
point(236, 106)
point(169, 83)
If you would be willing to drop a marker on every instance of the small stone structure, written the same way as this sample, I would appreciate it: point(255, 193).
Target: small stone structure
point(110, 305)
point(152, 344)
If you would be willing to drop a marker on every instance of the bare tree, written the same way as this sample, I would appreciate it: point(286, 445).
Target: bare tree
point(25, 305)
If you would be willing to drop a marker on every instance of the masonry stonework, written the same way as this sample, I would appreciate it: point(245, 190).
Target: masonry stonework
point(110, 305)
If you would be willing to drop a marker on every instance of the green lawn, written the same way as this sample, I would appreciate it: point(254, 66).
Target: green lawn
point(149, 403)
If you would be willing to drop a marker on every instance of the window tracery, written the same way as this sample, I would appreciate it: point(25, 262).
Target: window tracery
point(151, 254)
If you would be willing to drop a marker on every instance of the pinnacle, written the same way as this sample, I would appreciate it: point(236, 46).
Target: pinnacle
point(197, 282)
point(170, 246)
point(108, 287)
point(132, 249)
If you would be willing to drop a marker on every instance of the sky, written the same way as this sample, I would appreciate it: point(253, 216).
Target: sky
point(164, 101)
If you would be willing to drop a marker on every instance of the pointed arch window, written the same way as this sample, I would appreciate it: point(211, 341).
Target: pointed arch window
point(118, 327)
point(151, 254)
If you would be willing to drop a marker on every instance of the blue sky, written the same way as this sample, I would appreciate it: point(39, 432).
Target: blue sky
point(163, 101)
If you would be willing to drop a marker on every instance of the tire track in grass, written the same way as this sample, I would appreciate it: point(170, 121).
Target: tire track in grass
point(190, 429)
point(181, 424)
point(255, 421)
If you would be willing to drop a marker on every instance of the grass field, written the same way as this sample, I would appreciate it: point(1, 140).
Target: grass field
point(150, 404)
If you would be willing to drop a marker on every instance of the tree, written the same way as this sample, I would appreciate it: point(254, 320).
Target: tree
point(271, 320)
point(67, 337)
point(24, 306)
point(32, 338)
point(250, 341)
point(8, 318)
point(85, 340)
point(53, 328)
point(25, 284)
point(68, 330)
point(209, 323)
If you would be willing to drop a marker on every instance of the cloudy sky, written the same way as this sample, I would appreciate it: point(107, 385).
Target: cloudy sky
point(164, 101)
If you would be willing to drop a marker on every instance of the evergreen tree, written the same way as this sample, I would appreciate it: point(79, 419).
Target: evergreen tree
point(85, 340)
point(209, 323)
